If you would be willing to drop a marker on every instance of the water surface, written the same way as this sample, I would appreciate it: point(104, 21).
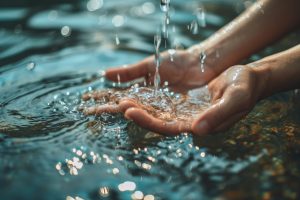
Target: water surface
point(52, 52)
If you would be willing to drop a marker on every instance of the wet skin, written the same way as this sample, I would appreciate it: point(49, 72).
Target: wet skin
point(232, 97)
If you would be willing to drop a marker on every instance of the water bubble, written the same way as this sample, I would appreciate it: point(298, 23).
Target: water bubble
point(30, 66)
point(118, 20)
point(65, 31)
point(93, 5)
point(156, 80)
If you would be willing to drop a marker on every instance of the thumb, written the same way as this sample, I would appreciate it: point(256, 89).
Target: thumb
point(214, 116)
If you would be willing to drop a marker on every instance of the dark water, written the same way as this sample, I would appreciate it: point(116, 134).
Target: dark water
point(49, 150)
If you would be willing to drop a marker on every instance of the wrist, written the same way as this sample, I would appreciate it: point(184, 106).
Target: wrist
point(263, 73)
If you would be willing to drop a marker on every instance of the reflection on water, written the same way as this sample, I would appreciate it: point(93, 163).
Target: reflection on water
point(53, 52)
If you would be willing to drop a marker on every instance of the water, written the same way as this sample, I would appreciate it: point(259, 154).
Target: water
point(50, 150)
point(157, 42)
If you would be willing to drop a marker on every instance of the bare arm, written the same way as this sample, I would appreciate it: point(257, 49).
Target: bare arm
point(264, 22)
point(236, 91)
point(281, 71)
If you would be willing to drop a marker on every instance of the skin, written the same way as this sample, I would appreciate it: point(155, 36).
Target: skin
point(235, 90)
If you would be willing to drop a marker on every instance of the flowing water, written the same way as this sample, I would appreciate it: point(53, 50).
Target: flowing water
point(53, 52)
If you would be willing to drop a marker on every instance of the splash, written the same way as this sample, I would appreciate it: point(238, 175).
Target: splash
point(165, 105)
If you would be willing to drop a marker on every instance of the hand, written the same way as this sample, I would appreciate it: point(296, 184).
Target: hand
point(233, 94)
point(163, 113)
point(182, 70)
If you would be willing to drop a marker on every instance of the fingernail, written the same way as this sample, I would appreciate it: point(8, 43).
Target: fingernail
point(202, 128)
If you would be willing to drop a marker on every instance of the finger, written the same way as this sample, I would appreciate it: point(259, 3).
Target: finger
point(124, 74)
point(96, 95)
point(113, 108)
point(99, 109)
point(147, 121)
point(214, 116)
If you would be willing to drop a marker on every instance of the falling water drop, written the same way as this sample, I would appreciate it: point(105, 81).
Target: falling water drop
point(30, 66)
point(202, 60)
point(172, 53)
point(157, 41)
point(164, 5)
point(201, 17)
point(194, 27)
point(117, 39)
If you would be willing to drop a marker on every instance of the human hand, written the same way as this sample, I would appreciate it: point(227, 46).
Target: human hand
point(232, 94)
point(182, 70)
point(164, 112)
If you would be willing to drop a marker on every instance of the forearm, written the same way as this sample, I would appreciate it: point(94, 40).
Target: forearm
point(279, 72)
point(261, 24)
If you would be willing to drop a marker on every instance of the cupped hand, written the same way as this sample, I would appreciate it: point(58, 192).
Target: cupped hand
point(182, 70)
point(232, 95)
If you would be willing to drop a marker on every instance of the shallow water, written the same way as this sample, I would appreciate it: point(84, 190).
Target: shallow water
point(54, 51)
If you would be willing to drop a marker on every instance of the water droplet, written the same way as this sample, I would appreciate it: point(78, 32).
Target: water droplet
point(127, 186)
point(149, 197)
point(164, 5)
point(157, 41)
point(117, 39)
point(65, 31)
point(202, 60)
point(201, 17)
point(118, 20)
point(104, 191)
point(137, 195)
point(93, 5)
point(148, 8)
point(194, 27)
point(172, 53)
point(30, 66)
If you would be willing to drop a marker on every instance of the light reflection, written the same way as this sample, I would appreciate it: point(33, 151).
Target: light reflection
point(76, 198)
point(104, 191)
point(118, 20)
point(65, 31)
point(93, 5)
point(149, 197)
point(148, 8)
point(202, 154)
point(137, 195)
point(115, 170)
point(127, 186)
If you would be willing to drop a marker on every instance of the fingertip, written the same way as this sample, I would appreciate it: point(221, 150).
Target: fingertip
point(133, 113)
point(112, 74)
point(201, 127)
point(127, 104)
